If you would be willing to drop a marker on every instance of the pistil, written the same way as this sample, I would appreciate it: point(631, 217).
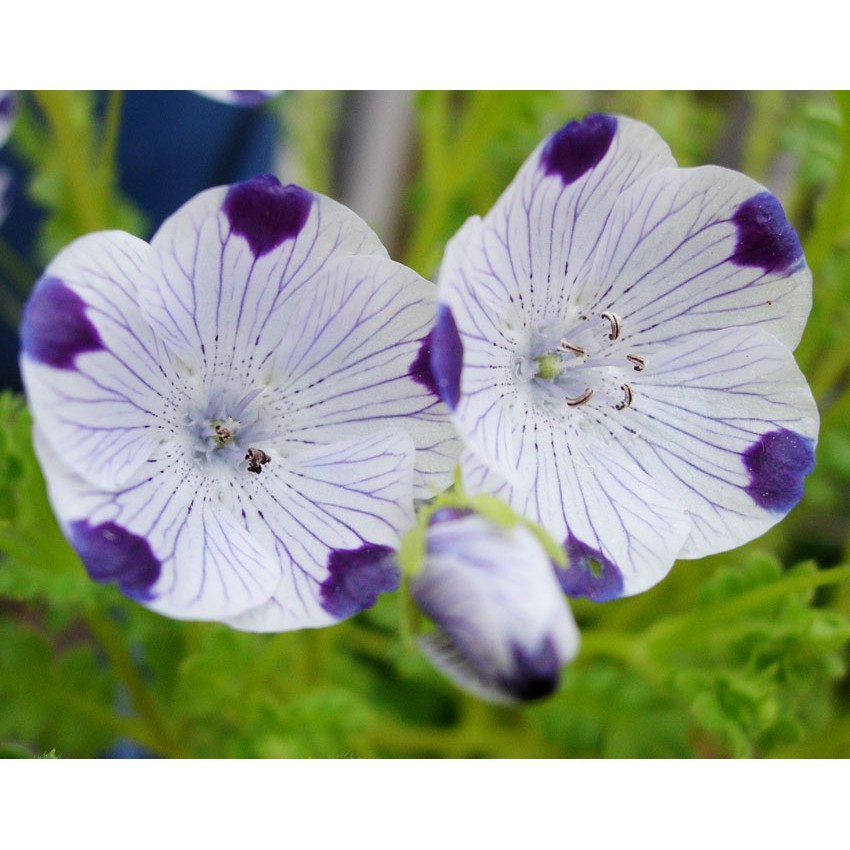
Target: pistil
point(587, 353)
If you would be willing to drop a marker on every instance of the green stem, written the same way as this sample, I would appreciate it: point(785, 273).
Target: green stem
point(670, 631)
point(448, 168)
point(109, 145)
point(141, 697)
point(86, 202)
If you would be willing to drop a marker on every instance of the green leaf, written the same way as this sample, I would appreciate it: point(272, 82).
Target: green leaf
point(604, 711)
point(36, 561)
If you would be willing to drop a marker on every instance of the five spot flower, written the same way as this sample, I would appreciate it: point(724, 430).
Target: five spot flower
point(614, 339)
point(233, 420)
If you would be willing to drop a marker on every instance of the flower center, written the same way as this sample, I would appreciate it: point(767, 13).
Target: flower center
point(570, 363)
point(225, 431)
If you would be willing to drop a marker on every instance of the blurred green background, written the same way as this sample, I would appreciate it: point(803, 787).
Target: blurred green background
point(742, 654)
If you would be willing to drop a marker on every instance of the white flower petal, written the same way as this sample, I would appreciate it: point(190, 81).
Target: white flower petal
point(698, 249)
point(334, 516)
point(94, 372)
point(619, 528)
point(726, 422)
point(224, 264)
point(542, 231)
point(173, 540)
point(516, 266)
point(356, 360)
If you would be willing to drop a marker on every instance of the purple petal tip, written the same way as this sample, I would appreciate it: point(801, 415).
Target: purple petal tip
point(356, 577)
point(446, 357)
point(420, 369)
point(112, 553)
point(766, 238)
point(777, 464)
point(266, 213)
point(55, 328)
point(536, 674)
point(578, 147)
point(589, 573)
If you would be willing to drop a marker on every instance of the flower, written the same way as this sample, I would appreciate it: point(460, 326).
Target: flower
point(248, 97)
point(503, 628)
point(226, 417)
point(614, 339)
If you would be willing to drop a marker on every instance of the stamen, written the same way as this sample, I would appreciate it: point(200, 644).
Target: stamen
point(640, 362)
point(628, 399)
point(566, 347)
point(222, 433)
point(257, 459)
point(581, 399)
point(614, 319)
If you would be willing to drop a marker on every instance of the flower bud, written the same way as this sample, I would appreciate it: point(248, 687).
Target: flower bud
point(503, 627)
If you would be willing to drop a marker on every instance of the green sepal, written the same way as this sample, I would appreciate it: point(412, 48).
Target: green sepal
point(411, 551)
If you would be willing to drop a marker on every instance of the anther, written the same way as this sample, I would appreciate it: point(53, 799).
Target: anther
point(581, 399)
point(257, 459)
point(566, 347)
point(629, 395)
point(640, 362)
point(614, 319)
point(222, 433)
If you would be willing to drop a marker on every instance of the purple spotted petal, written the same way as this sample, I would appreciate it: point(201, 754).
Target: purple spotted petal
point(168, 537)
point(55, 329)
point(578, 147)
point(266, 213)
point(614, 518)
point(349, 360)
point(223, 266)
point(518, 265)
point(766, 239)
point(503, 630)
point(111, 553)
point(254, 550)
point(327, 513)
point(356, 577)
point(446, 357)
point(542, 231)
point(95, 374)
point(777, 463)
point(589, 573)
point(691, 250)
point(726, 421)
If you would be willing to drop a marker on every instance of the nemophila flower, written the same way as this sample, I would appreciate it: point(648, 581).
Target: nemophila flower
point(614, 339)
point(241, 98)
point(503, 628)
point(227, 416)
